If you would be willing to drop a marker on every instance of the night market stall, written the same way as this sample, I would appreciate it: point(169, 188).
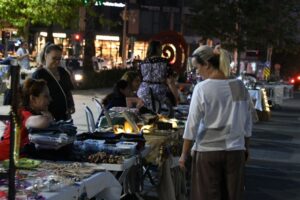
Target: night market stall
point(60, 177)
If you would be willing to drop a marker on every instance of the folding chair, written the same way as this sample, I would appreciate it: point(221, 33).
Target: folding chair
point(102, 111)
point(90, 119)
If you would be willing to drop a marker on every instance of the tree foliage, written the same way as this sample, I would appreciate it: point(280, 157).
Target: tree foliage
point(20, 13)
point(248, 23)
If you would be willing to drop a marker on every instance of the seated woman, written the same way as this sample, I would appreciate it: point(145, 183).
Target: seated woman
point(117, 98)
point(34, 113)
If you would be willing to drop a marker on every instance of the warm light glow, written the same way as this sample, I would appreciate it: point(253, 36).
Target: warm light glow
point(266, 104)
point(77, 37)
point(107, 37)
point(174, 123)
point(78, 77)
point(298, 77)
point(56, 35)
point(147, 128)
point(118, 129)
point(107, 3)
point(292, 81)
point(128, 128)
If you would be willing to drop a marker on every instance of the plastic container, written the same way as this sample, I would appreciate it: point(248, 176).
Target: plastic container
point(127, 147)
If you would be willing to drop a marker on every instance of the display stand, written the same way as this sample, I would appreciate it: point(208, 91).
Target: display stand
point(15, 76)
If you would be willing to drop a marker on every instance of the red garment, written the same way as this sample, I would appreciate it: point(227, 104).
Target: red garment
point(5, 143)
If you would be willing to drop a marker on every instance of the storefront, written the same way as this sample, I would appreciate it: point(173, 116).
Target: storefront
point(59, 38)
point(107, 47)
point(140, 49)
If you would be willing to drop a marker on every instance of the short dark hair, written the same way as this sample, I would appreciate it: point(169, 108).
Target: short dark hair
point(121, 85)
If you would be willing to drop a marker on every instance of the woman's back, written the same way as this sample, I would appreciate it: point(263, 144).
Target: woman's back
point(154, 70)
point(223, 106)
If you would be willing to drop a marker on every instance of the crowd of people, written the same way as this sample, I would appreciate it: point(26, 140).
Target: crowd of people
point(217, 129)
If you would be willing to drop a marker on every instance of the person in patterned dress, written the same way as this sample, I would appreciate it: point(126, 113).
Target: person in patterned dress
point(156, 73)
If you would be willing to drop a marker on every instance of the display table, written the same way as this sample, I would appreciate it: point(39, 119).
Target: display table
point(260, 100)
point(65, 180)
point(129, 162)
point(164, 155)
point(159, 141)
point(277, 93)
point(125, 172)
point(102, 185)
point(256, 96)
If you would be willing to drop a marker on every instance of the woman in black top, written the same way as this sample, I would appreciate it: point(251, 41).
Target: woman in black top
point(117, 98)
point(58, 81)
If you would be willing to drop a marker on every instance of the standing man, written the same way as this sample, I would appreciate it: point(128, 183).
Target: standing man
point(23, 55)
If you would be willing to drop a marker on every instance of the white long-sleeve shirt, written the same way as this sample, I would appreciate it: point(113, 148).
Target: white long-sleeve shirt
point(219, 116)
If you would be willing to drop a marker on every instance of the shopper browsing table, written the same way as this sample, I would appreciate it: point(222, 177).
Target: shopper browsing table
point(220, 124)
point(58, 81)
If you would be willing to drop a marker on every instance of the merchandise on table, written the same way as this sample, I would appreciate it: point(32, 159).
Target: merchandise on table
point(47, 177)
point(102, 157)
point(93, 146)
point(57, 135)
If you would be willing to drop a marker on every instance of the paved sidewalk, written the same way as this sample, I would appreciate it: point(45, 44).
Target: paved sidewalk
point(82, 98)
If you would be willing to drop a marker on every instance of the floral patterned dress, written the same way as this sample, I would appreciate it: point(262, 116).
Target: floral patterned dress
point(154, 71)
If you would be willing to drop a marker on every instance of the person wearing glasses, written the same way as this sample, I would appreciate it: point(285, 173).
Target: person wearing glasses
point(218, 129)
point(58, 81)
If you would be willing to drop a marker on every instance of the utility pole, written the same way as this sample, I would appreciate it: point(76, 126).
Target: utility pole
point(124, 38)
point(182, 17)
point(238, 37)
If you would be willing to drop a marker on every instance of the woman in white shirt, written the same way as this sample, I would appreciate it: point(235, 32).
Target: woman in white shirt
point(220, 125)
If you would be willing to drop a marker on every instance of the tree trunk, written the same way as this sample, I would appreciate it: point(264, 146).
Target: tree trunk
point(89, 36)
point(50, 37)
point(26, 31)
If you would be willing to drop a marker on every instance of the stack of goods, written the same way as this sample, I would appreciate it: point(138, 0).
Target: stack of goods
point(57, 135)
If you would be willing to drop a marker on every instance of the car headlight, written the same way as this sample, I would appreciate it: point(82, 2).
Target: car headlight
point(78, 77)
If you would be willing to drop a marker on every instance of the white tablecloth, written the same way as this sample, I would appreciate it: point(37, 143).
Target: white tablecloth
point(278, 93)
point(257, 99)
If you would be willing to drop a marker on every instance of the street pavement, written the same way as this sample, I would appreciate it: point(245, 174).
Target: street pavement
point(273, 172)
point(84, 98)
